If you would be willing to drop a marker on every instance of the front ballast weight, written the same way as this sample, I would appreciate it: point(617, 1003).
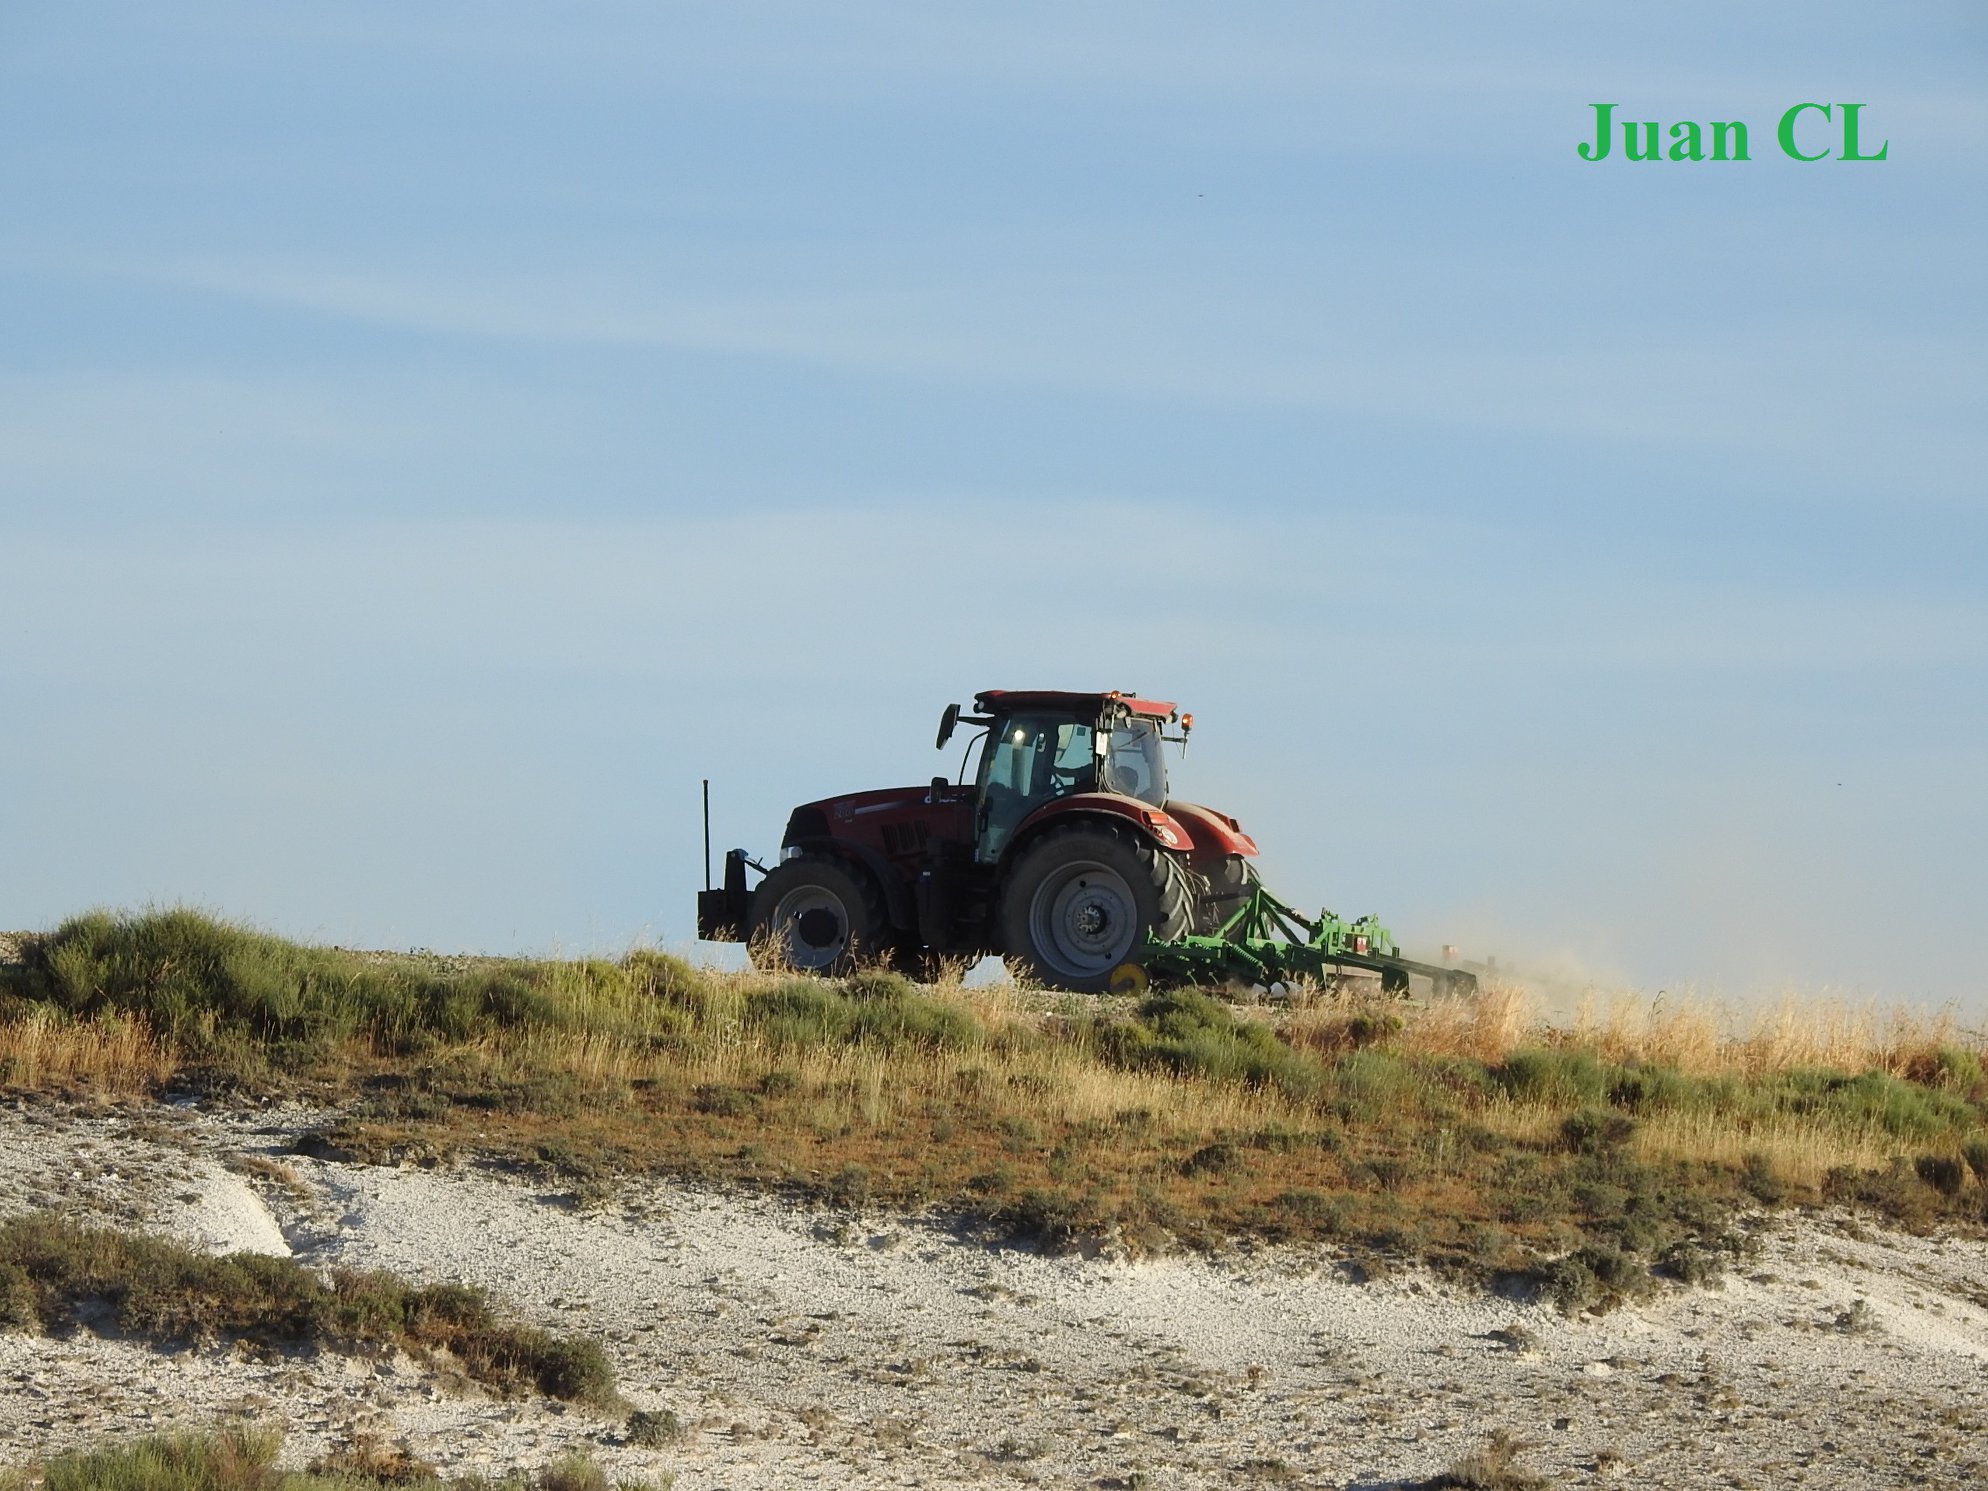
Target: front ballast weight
point(1266, 943)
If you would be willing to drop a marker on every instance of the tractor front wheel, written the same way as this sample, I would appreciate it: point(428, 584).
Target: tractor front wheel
point(1081, 898)
point(816, 915)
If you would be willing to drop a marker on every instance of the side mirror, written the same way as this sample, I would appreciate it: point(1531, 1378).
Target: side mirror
point(946, 722)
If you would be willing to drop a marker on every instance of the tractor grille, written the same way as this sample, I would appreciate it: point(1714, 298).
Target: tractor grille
point(906, 838)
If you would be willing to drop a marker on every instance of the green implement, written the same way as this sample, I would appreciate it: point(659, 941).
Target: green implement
point(1267, 943)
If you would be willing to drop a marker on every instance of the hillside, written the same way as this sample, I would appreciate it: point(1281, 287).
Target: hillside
point(935, 1235)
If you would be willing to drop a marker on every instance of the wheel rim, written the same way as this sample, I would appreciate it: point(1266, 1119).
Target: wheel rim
point(1083, 920)
point(811, 927)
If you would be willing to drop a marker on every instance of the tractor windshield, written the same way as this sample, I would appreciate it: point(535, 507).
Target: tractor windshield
point(1133, 763)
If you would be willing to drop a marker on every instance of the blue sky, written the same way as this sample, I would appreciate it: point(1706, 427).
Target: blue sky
point(432, 438)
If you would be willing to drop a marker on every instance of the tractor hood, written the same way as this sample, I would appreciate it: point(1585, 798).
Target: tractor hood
point(838, 817)
point(893, 816)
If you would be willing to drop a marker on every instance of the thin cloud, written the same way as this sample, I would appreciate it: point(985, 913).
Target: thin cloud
point(1783, 395)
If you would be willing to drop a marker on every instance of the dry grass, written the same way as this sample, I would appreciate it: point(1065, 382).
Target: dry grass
point(1697, 1037)
point(1801, 1153)
point(1712, 1039)
point(43, 1048)
point(1485, 1028)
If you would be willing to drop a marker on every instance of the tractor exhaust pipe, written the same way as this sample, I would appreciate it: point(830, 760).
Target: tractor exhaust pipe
point(707, 833)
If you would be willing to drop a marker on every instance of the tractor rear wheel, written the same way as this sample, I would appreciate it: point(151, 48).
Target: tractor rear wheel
point(816, 915)
point(1079, 900)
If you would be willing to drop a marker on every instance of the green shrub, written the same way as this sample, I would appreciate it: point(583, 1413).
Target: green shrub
point(1212, 1159)
point(1690, 1262)
point(655, 1428)
point(801, 1012)
point(879, 984)
point(573, 1473)
point(1185, 1031)
point(238, 1458)
point(1313, 1207)
point(908, 1018)
point(877, 1008)
point(1593, 1277)
point(242, 1458)
point(1949, 1066)
point(662, 975)
point(20, 1301)
point(724, 1101)
point(569, 1367)
point(779, 1083)
point(1371, 1086)
point(1974, 1149)
point(208, 985)
point(1637, 1088)
point(1877, 1100)
point(1595, 1131)
point(1942, 1172)
point(1894, 1192)
point(1760, 1180)
point(851, 1186)
point(1394, 1172)
point(1562, 1077)
point(1493, 1466)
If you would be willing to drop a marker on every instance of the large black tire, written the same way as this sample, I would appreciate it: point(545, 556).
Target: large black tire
point(1080, 899)
point(1228, 883)
point(817, 915)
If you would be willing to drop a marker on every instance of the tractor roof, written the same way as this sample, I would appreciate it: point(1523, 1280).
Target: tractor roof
point(997, 701)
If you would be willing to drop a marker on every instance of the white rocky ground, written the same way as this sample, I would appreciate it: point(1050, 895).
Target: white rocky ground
point(804, 1348)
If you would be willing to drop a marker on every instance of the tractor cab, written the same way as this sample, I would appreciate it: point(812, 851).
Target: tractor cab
point(1042, 747)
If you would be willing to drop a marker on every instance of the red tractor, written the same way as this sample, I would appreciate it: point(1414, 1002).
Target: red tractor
point(1062, 853)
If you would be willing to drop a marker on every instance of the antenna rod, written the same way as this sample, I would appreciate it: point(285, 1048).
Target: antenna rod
point(707, 833)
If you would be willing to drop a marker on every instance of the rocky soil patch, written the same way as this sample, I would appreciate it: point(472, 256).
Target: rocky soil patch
point(772, 1344)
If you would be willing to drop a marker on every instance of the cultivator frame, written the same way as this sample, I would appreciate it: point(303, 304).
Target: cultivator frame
point(1266, 942)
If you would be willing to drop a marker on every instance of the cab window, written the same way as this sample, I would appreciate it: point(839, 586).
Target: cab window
point(1029, 759)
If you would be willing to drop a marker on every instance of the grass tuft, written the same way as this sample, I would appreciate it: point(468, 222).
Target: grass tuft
point(1492, 1466)
point(242, 1457)
point(61, 1274)
point(239, 1458)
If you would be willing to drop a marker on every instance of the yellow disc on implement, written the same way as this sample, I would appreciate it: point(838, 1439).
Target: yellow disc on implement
point(1127, 978)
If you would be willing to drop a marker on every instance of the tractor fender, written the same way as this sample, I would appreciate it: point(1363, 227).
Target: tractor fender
point(1213, 833)
point(896, 893)
point(1155, 824)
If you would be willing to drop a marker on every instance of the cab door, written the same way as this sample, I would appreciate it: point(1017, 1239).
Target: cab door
point(1028, 760)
